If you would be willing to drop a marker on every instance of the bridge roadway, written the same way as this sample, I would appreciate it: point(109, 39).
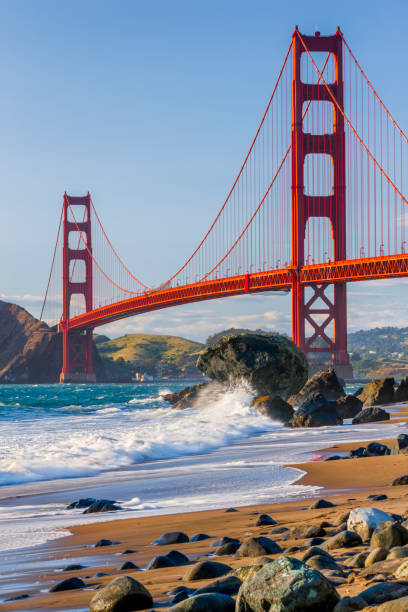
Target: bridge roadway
point(352, 270)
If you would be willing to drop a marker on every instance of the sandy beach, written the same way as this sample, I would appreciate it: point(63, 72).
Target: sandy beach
point(347, 483)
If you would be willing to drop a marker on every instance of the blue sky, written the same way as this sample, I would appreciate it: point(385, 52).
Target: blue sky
point(151, 107)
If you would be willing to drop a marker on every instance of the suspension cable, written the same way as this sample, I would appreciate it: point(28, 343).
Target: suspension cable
point(52, 264)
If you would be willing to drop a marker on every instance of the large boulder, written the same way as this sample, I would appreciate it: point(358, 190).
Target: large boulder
point(389, 534)
point(317, 412)
point(400, 481)
point(397, 605)
point(216, 602)
point(270, 363)
point(400, 445)
point(385, 591)
point(401, 393)
point(324, 382)
point(256, 547)
point(171, 537)
point(124, 594)
point(348, 406)
point(365, 520)
point(207, 569)
point(344, 539)
point(378, 392)
point(371, 415)
point(286, 585)
point(274, 407)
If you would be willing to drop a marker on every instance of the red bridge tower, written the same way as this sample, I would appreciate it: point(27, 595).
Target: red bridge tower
point(331, 206)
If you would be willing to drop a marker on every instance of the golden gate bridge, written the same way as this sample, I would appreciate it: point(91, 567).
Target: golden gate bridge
point(319, 201)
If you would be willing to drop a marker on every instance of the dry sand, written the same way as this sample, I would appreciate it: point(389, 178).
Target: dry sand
point(346, 482)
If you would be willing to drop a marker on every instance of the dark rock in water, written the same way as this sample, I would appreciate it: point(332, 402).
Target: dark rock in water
point(177, 557)
point(190, 397)
point(348, 406)
point(207, 569)
point(231, 510)
point(160, 561)
point(401, 480)
point(103, 542)
point(371, 415)
point(256, 547)
point(222, 541)
point(227, 549)
point(334, 458)
point(317, 412)
point(199, 536)
point(101, 505)
point(228, 586)
point(68, 585)
point(273, 407)
point(324, 383)
point(214, 602)
point(270, 363)
point(18, 597)
point(286, 584)
point(321, 503)
point(401, 394)
point(400, 445)
point(129, 565)
point(172, 537)
point(83, 503)
point(385, 591)
point(123, 593)
point(378, 392)
point(72, 567)
point(265, 519)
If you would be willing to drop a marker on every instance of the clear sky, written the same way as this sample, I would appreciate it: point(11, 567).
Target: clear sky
point(151, 105)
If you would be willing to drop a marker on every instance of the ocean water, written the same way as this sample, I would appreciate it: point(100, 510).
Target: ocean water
point(125, 443)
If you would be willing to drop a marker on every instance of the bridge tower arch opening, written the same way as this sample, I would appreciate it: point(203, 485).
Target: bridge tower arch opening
point(325, 308)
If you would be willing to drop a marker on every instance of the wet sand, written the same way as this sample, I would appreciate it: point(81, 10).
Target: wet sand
point(347, 483)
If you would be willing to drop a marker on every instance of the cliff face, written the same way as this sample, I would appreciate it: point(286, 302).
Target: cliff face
point(30, 351)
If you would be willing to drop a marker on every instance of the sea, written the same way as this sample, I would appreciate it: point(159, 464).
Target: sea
point(125, 443)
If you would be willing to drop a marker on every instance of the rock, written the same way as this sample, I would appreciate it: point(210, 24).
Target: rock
point(128, 551)
point(18, 597)
point(321, 503)
point(243, 573)
point(199, 536)
point(398, 552)
point(289, 585)
point(159, 562)
point(307, 531)
point(402, 570)
point(324, 382)
point(349, 604)
point(273, 407)
point(180, 596)
point(73, 566)
point(378, 392)
point(178, 558)
point(68, 585)
point(124, 594)
point(103, 542)
point(314, 542)
point(344, 539)
point(387, 535)
point(315, 551)
point(380, 497)
point(214, 602)
point(377, 554)
point(224, 540)
point(270, 363)
point(375, 449)
point(385, 591)
point(230, 548)
point(398, 605)
point(191, 397)
point(400, 481)
point(101, 506)
point(334, 458)
point(342, 518)
point(278, 530)
point(84, 503)
point(401, 393)
point(317, 412)
point(364, 520)
point(357, 560)
point(207, 569)
point(348, 406)
point(400, 445)
point(256, 547)
point(231, 510)
point(358, 452)
point(371, 415)
point(323, 562)
point(229, 585)
point(265, 519)
point(172, 537)
point(127, 565)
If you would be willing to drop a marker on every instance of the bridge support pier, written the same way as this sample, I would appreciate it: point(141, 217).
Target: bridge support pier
point(77, 346)
point(313, 315)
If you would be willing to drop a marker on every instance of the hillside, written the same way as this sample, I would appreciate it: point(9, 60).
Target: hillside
point(156, 355)
point(379, 352)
